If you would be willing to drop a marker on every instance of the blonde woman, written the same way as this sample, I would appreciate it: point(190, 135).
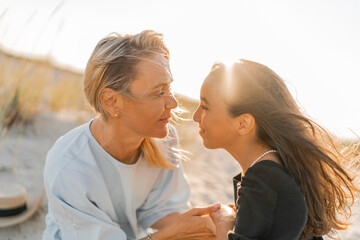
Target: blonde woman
point(293, 184)
point(119, 174)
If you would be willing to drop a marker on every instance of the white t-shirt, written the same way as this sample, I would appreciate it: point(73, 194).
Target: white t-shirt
point(93, 196)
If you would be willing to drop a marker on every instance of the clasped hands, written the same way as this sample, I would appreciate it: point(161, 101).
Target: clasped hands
point(211, 223)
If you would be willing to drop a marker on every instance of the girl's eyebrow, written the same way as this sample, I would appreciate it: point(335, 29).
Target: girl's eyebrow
point(204, 100)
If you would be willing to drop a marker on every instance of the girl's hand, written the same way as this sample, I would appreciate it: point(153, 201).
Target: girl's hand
point(224, 220)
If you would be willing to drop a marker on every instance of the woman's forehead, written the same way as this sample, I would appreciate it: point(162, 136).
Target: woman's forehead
point(154, 60)
point(152, 73)
point(155, 64)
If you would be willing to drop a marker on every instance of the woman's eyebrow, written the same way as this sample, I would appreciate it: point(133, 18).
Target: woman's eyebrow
point(163, 84)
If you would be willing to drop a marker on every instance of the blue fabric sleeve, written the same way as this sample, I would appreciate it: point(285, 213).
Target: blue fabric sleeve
point(73, 215)
point(171, 195)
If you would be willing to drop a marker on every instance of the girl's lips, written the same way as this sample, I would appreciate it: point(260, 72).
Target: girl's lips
point(201, 131)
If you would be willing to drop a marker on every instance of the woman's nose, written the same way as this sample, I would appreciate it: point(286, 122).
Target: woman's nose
point(172, 102)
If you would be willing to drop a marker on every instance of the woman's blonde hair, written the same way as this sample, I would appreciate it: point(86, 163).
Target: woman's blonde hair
point(306, 149)
point(113, 64)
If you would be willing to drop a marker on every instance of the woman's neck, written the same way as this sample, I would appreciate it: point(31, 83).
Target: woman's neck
point(119, 141)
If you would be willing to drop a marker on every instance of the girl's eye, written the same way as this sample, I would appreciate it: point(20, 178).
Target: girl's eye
point(203, 107)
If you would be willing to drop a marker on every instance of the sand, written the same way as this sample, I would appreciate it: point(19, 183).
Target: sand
point(209, 172)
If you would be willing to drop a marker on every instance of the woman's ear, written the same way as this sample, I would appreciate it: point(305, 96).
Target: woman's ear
point(111, 101)
point(246, 124)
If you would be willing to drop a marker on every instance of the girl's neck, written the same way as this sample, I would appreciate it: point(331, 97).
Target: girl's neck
point(246, 154)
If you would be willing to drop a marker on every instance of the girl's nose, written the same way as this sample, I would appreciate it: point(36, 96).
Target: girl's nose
point(196, 116)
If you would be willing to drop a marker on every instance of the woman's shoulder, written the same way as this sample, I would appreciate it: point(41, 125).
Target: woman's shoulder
point(74, 134)
point(71, 140)
point(68, 152)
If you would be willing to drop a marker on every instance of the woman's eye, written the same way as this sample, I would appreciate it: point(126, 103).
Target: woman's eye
point(164, 92)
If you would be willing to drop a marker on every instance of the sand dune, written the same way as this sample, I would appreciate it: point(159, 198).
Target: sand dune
point(209, 172)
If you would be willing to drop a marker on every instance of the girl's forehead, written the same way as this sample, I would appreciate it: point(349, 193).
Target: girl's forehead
point(225, 87)
point(211, 90)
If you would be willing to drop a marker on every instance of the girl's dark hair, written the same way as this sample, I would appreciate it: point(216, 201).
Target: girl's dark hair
point(307, 151)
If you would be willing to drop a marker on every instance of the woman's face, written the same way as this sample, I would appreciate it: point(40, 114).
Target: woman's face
point(217, 128)
point(148, 112)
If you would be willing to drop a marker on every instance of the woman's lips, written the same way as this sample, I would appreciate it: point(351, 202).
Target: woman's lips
point(201, 131)
point(165, 120)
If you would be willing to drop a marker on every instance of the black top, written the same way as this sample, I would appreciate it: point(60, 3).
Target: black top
point(269, 204)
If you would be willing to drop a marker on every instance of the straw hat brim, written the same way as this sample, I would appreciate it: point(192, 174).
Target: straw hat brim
point(33, 203)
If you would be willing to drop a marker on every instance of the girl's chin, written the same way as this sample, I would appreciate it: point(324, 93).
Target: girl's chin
point(208, 145)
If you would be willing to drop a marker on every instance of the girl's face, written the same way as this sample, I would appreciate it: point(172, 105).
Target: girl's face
point(217, 128)
point(148, 112)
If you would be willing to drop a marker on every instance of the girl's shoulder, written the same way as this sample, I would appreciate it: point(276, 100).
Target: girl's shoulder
point(270, 174)
point(268, 169)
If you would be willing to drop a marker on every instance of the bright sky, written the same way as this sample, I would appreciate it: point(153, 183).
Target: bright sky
point(313, 45)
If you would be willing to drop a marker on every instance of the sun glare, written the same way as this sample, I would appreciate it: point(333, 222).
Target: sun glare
point(312, 47)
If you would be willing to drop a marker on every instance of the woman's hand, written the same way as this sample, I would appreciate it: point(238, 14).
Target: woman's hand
point(224, 220)
point(194, 224)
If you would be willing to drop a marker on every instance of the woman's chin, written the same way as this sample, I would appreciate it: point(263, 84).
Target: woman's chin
point(161, 133)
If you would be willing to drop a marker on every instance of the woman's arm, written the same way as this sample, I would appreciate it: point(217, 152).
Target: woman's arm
point(165, 220)
point(73, 216)
point(169, 197)
point(192, 224)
